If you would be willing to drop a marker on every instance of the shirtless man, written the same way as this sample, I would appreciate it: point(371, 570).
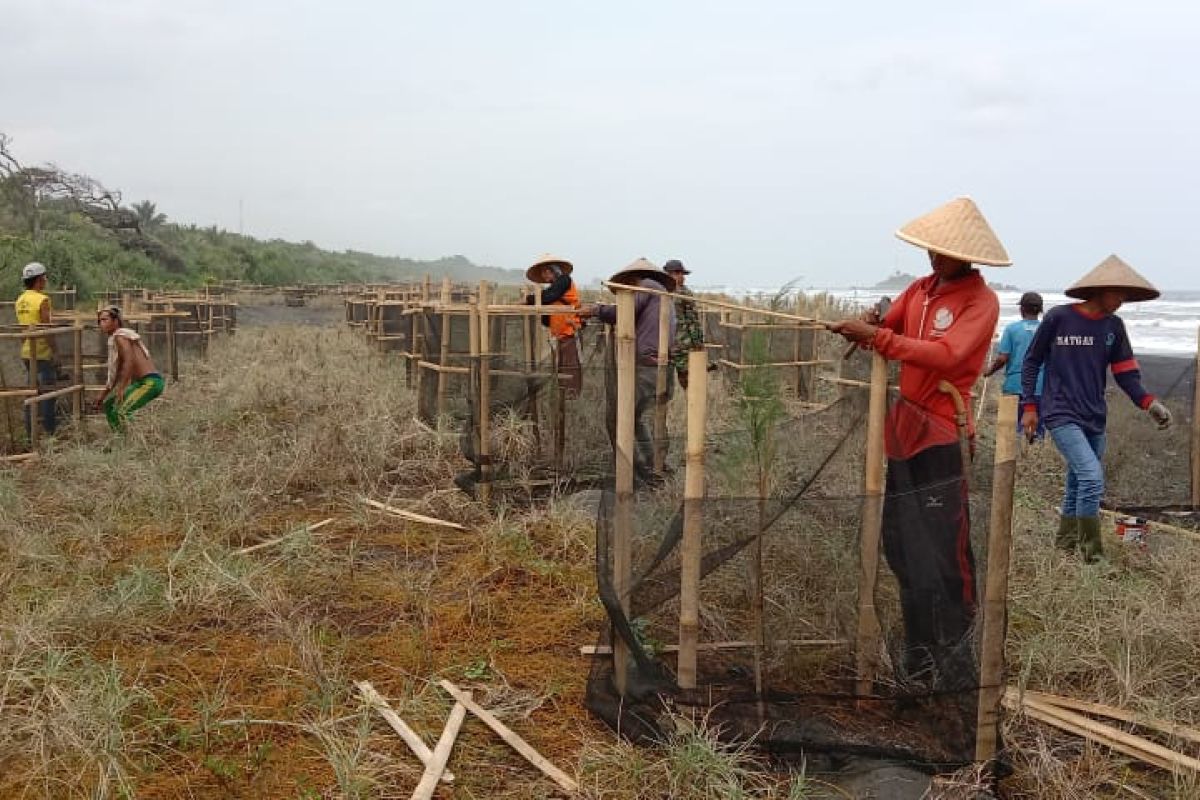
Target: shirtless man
point(132, 379)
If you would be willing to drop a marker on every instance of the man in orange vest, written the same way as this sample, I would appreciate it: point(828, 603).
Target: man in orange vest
point(563, 327)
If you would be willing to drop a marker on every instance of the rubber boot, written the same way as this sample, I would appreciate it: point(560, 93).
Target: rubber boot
point(1067, 537)
point(1089, 539)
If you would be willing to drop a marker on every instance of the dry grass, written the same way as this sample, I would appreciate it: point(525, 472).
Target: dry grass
point(142, 656)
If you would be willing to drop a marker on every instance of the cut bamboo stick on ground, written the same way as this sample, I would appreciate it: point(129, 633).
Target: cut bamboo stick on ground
point(271, 542)
point(1111, 712)
point(412, 515)
point(512, 739)
point(603, 649)
point(436, 766)
point(407, 734)
point(1136, 746)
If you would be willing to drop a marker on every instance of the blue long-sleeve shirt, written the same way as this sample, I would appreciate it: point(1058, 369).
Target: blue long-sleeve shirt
point(1077, 350)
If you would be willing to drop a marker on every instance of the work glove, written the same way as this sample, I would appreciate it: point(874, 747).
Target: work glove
point(1160, 414)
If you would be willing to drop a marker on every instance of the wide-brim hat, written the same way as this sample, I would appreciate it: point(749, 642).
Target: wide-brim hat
point(1113, 273)
point(958, 230)
point(675, 265)
point(639, 271)
point(534, 273)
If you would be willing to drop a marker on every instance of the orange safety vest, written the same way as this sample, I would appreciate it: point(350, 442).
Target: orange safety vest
point(564, 326)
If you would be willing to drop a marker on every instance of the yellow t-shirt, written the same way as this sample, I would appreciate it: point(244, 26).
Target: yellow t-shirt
point(29, 312)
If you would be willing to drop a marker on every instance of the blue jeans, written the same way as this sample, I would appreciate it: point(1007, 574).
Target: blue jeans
point(47, 376)
point(1085, 473)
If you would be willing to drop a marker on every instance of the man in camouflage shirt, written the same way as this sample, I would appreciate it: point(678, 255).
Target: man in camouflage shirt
point(689, 333)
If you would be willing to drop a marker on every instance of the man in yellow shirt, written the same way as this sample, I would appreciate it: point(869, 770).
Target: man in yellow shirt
point(33, 308)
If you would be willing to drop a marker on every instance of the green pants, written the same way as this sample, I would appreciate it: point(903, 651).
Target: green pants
point(140, 392)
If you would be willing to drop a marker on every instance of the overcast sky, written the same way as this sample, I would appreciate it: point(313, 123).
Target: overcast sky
point(757, 141)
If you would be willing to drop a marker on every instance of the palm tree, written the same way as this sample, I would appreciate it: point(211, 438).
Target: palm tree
point(148, 216)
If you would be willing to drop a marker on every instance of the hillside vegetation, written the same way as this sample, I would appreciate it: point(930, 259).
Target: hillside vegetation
point(92, 240)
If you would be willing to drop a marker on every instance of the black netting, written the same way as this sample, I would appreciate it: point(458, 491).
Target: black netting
point(922, 699)
point(785, 453)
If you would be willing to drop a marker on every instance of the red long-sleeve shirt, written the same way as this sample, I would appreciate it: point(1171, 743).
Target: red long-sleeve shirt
point(938, 332)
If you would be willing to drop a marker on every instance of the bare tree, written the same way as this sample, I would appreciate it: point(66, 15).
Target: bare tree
point(31, 188)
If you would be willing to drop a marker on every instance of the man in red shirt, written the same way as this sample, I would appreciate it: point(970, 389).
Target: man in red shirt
point(939, 329)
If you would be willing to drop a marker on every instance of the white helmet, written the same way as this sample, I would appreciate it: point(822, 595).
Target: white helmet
point(33, 270)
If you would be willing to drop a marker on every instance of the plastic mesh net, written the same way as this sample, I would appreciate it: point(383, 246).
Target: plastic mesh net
point(782, 519)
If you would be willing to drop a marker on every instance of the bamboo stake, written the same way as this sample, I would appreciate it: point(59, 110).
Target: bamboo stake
point(693, 519)
point(757, 589)
point(560, 410)
point(418, 747)
point(1196, 428)
point(867, 640)
point(995, 597)
point(412, 515)
point(436, 765)
point(172, 353)
point(1136, 746)
point(626, 355)
point(444, 350)
point(57, 393)
point(709, 302)
point(485, 396)
point(528, 334)
point(272, 542)
point(512, 739)
point(35, 409)
point(1162, 726)
point(660, 384)
point(77, 372)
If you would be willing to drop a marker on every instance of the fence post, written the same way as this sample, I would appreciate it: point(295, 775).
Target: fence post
point(693, 518)
point(485, 395)
point(626, 355)
point(660, 384)
point(867, 641)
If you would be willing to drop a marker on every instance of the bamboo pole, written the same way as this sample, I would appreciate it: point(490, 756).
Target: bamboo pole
point(441, 751)
point(995, 597)
point(528, 337)
point(867, 640)
point(54, 395)
point(1114, 738)
point(485, 396)
point(1196, 428)
point(693, 519)
point(444, 351)
point(660, 383)
point(1171, 729)
point(709, 302)
point(36, 408)
point(560, 410)
point(172, 353)
point(77, 372)
point(626, 355)
point(402, 729)
point(511, 738)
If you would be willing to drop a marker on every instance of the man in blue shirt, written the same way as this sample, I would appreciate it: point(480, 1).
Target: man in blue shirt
point(1011, 353)
point(1078, 344)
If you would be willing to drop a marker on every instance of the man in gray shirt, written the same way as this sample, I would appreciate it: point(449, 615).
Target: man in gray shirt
point(644, 273)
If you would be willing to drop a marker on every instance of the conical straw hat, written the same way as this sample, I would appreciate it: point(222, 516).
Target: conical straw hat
point(639, 271)
point(534, 273)
point(958, 230)
point(1113, 273)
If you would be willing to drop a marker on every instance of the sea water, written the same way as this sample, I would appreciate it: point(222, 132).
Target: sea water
point(1166, 326)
